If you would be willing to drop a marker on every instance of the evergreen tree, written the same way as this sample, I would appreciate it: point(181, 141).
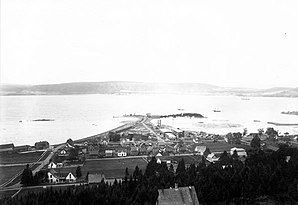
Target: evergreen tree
point(27, 176)
point(78, 172)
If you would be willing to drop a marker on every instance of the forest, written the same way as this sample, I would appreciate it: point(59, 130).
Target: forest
point(263, 176)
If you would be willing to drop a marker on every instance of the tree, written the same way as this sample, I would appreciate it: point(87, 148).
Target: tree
point(224, 159)
point(78, 172)
point(235, 155)
point(73, 153)
point(27, 176)
point(255, 142)
point(114, 137)
point(244, 132)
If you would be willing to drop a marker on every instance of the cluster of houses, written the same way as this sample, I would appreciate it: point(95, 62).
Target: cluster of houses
point(10, 148)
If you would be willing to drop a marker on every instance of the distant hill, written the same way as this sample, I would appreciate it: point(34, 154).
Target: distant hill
point(111, 87)
point(125, 87)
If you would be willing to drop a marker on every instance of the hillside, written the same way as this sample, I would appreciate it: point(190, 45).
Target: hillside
point(124, 87)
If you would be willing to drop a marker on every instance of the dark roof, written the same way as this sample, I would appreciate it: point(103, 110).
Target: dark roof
point(5, 146)
point(22, 147)
point(181, 195)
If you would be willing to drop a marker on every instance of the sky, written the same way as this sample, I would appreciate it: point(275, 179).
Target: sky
point(227, 43)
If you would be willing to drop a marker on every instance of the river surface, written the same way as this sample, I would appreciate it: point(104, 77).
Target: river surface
point(78, 116)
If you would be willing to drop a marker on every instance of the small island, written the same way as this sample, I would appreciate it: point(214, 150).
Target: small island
point(196, 115)
point(43, 120)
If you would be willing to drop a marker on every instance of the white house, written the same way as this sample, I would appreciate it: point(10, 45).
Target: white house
point(52, 177)
point(200, 150)
point(240, 151)
point(55, 177)
point(212, 158)
point(122, 154)
point(70, 177)
point(52, 165)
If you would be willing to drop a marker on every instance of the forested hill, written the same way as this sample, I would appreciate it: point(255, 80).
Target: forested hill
point(120, 87)
point(110, 87)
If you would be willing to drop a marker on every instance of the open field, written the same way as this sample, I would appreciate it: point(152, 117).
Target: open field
point(6, 193)
point(8, 172)
point(17, 158)
point(114, 168)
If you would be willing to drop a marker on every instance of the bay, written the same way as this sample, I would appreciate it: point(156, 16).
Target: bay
point(78, 116)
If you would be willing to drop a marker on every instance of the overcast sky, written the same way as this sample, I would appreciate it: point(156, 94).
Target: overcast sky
point(226, 43)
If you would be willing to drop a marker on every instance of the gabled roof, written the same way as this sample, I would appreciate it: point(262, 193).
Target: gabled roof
point(181, 195)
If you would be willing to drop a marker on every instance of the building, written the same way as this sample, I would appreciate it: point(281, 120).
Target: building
point(212, 158)
point(122, 153)
point(23, 148)
point(108, 153)
point(177, 196)
point(57, 177)
point(6, 147)
point(200, 150)
point(240, 151)
point(42, 145)
point(52, 165)
point(95, 178)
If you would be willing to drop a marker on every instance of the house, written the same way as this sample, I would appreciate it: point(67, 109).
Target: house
point(158, 161)
point(63, 153)
point(42, 145)
point(122, 153)
point(6, 147)
point(212, 158)
point(52, 165)
point(200, 150)
point(70, 177)
point(23, 148)
point(240, 151)
point(108, 153)
point(57, 177)
point(95, 178)
point(177, 196)
point(52, 177)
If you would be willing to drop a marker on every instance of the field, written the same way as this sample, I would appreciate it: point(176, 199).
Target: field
point(114, 168)
point(17, 158)
point(220, 147)
point(8, 172)
point(111, 168)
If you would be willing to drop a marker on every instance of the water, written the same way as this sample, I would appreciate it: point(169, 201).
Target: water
point(78, 116)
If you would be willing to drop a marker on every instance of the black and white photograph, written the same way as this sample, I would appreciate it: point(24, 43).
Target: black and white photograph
point(140, 102)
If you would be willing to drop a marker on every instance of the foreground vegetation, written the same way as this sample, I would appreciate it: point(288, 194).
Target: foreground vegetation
point(264, 176)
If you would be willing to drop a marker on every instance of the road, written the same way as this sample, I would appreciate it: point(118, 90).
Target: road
point(146, 120)
point(38, 168)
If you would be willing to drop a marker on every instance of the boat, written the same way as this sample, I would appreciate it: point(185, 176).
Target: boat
point(245, 98)
point(257, 121)
point(216, 110)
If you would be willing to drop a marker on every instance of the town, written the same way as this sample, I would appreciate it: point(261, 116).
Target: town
point(110, 155)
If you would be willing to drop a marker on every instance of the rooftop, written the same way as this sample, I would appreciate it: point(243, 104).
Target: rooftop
point(177, 196)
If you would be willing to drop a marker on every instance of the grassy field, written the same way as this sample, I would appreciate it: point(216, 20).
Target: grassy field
point(112, 168)
point(8, 172)
point(17, 158)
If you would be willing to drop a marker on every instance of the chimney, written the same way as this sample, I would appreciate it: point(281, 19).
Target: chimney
point(176, 186)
